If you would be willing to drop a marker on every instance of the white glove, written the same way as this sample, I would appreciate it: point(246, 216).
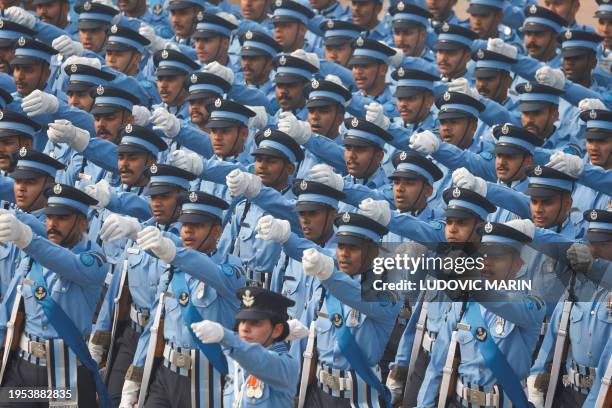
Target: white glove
point(580, 257)
point(552, 77)
point(63, 132)
point(298, 130)
point(13, 230)
point(243, 183)
point(569, 164)
point(527, 227)
point(309, 57)
point(65, 46)
point(156, 43)
point(375, 113)
point(499, 46)
point(151, 239)
point(221, 71)
point(90, 62)
point(462, 85)
point(118, 226)
point(208, 331)
point(188, 161)
point(396, 59)
point(535, 396)
point(39, 103)
point(96, 351)
point(20, 16)
point(129, 394)
point(297, 330)
point(317, 264)
point(141, 115)
point(272, 229)
point(228, 17)
point(464, 179)
point(588, 104)
point(424, 142)
point(335, 79)
point(101, 191)
point(166, 122)
point(377, 210)
point(260, 120)
point(396, 386)
point(324, 174)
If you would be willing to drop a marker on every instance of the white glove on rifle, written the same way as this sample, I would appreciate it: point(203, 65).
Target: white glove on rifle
point(129, 394)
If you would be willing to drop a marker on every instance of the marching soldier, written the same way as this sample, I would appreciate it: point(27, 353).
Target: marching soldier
point(338, 40)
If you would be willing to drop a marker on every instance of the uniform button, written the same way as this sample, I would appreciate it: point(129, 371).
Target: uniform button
point(592, 312)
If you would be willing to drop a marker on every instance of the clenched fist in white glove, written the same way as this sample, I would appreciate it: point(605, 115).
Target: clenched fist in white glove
point(39, 103)
point(498, 46)
point(13, 230)
point(396, 59)
point(166, 122)
point(220, 70)
point(188, 161)
point(208, 331)
point(118, 226)
point(298, 130)
point(527, 227)
point(129, 394)
point(335, 79)
point(552, 77)
point(243, 183)
point(317, 264)
point(64, 132)
point(424, 142)
point(464, 179)
point(324, 174)
point(569, 164)
point(101, 191)
point(20, 16)
point(297, 330)
point(90, 62)
point(272, 229)
point(260, 120)
point(141, 115)
point(151, 239)
point(377, 210)
point(156, 43)
point(588, 104)
point(580, 257)
point(462, 85)
point(67, 47)
point(375, 113)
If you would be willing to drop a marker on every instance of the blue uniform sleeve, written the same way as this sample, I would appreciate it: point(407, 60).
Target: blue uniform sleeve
point(6, 189)
point(405, 225)
point(194, 139)
point(102, 153)
point(38, 227)
point(328, 151)
point(295, 247)
point(597, 178)
point(77, 117)
point(250, 96)
point(574, 93)
point(604, 361)
point(356, 193)
point(127, 203)
point(505, 197)
point(524, 313)
point(46, 33)
point(275, 204)
point(216, 170)
point(495, 113)
point(481, 165)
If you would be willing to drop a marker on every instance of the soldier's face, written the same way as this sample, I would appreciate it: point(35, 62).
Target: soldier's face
point(540, 122)
point(578, 69)
point(55, 13)
point(259, 331)
point(200, 236)
point(354, 259)
point(30, 77)
point(325, 120)
point(411, 194)
point(171, 89)
point(93, 40)
point(211, 49)
point(290, 96)
point(440, 8)
point(495, 88)
point(165, 208)
point(123, 61)
point(565, 8)
point(289, 35)
point(108, 125)
point(256, 69)
point(604, 29)
point(540, 45)
point(6, 55)
point(410, 40)
point(80, 100)
point(546, 212)
point(501, 266)
point(461, 229)
point(340, 54)
point(132, 167)
point(510, 167)
point(272, 171)
point(600, 152)
point(317, 225)
point(365, 13)
point(66, 230)
point(29, 193)
point(369, 77)
point(415, 108)
point(486, 25)
point(362, 161)
point(452, 63)
point(8, 145)
point(254, 10)
point(197, 110)
point(458, 131)
point(183, 21)
point(227, 142)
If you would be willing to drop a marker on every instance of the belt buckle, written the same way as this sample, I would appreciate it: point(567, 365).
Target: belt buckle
point(476, 397)
point(587, 381)
point(330, 381)
point(182, 360)
point(37, 349)
point(566, 380)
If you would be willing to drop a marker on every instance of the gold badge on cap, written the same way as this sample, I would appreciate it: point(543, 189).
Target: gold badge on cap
point(355, 122)
point(217, 103)
point(193, 196)
point(21, 41)
point(401, 6)
point(183, 298)
point(568, 35)
point(593, 114)
point(247, 299)
point(403, 155)
point(537, 171)
point(73, 68)
point(57, 189)
point(360, 42)
point(23, 151)
point(164, 54)
point(481, 334)
point(248, 35)
point(593, 215)
point(505, 129)
point(445, 27)
point(446, 96)
point(87, 6)
point(314, 84)
point(153, 169)
point(346, 217)
point(456, 192)
point(100, 90)
point(194, 78)
point(267, 132)
point(480, 53)
point(128, 128)
point(114, 29)
point(488, 227)
point(303, 185)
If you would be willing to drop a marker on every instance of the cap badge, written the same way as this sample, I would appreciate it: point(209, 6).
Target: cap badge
point(114, 29)
point(505, 129)
point(360, 42)
point(403, 155)
point(248, 35)
point(303, 185)
point(57, 189)
point(23, 151)
point(355, 122)
point(488, 227)
point(593, 114)
point(87, 6)
point(456, 192)
point(278, 3)
point(593, 215)
point(157, 9)
point(21, 41)
point(401, 6)
point(164, 54)
point(217, 103)
point(193, 196)
point(337, 319)
point(346, 217)
point(267, 132)
point(537, 171)
point(247, 299)
point(40, 293)
point(528, 87)
point(330, 24)
point(480, 53)
point(533, 9)
point(100, 90)
point(282, 60)
point(194, 78)
point(153, 169)
point(568, 35)
point(73, 68)
point(1, 115)
point(314, 84)
point(128, 128)
point(446, 96)
point(445, 27)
